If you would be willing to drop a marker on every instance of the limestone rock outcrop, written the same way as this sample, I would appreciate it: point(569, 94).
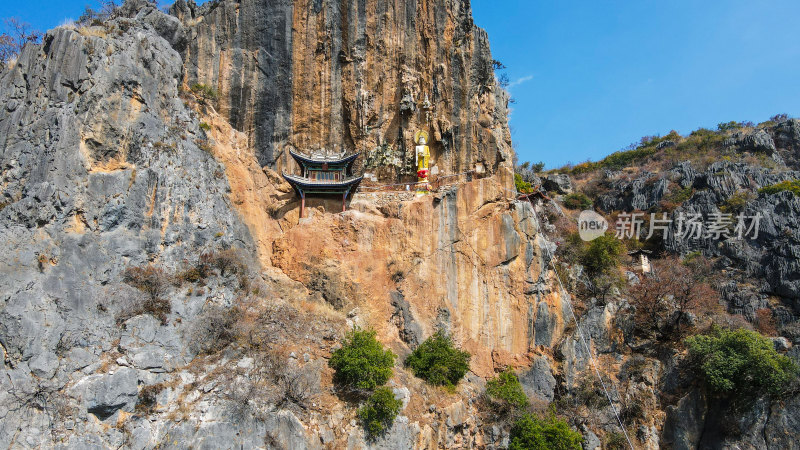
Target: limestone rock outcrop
point(113, 169)
point(352, 76)
point(159, 287)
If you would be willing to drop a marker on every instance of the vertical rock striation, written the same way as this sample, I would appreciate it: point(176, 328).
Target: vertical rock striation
point(352, 76)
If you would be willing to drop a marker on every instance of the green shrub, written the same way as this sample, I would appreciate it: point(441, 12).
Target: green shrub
point(534, 167)
point(583, 167)
point(362, 362)
point(621, 159)
point(522, 186)
point(550, 433)
point(736, 202)
point(507, 391)
point(700, 141)
point(438, 362)
point(678, 196)
point(204, 126)
point(602, 254)
point(733, 362)
point(792, 186)
point(204, 91)
point(577, 200)
point(379, 411)
point(732, 125)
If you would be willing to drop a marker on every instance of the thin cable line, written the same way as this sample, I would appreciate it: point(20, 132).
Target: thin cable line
point(589, 353)
point(565, 296)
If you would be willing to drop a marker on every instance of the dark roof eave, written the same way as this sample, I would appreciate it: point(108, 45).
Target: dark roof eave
point(302, 159)
point(306, 184)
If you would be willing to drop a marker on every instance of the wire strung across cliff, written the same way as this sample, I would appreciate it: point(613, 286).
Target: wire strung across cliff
point(412, 186)
point(593, 362)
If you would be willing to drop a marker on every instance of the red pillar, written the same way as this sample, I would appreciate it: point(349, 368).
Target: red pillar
point(344, 202)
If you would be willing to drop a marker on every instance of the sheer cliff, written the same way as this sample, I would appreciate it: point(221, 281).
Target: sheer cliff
point(158, 285)
point(352, 76)
point(159, 289)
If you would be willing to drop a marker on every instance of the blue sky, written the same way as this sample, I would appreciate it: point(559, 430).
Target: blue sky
point(590, 77)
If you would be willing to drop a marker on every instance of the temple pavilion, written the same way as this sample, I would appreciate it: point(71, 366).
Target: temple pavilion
point(323, 175)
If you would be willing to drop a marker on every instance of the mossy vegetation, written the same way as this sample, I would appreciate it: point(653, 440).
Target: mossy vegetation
point(577, 200)
point(602, 254)
point(521, 185)
point(362, 366)
point(204, 91)
point(792, 186)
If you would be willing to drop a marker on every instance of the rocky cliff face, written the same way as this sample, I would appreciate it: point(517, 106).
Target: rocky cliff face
point(352, 77)
point(707, 175)
point(159, 289)
point(141, 222)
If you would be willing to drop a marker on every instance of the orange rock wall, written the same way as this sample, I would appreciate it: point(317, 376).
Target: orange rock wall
point(352, 76)
point(466, 259)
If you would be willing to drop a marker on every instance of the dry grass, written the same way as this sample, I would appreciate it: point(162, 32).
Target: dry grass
point(765, 322)
point(94, 31)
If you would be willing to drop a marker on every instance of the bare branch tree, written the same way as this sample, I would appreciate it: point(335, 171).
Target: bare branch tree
point(665, 299)
point(14, 37)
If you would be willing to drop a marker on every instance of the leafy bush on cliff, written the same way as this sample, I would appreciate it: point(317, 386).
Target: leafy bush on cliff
point(379, 411)
point(676, 197)
point(602, 254)
point(533, 433)
point(506, 392)
point(577, 200)
point(733, 362)
point(204, 92)
point(736, 203)
point(438, 362)
point(728, 126)
point(792, 186)
point(537, 167)
point(361, 362)
point(522, 185)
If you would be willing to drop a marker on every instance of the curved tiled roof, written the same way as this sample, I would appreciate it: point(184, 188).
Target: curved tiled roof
point(305, 183)
point(300, 158)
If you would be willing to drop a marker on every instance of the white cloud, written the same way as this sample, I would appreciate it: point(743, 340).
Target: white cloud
point(519, 81)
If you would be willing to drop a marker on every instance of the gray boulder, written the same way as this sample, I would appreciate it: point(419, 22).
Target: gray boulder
point(557, 182)
point(539, 379)
point(759, 141)
point(103, 395)
point(684, 424)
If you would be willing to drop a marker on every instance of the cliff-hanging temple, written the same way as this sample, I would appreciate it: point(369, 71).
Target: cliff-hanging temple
point(322, 174)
